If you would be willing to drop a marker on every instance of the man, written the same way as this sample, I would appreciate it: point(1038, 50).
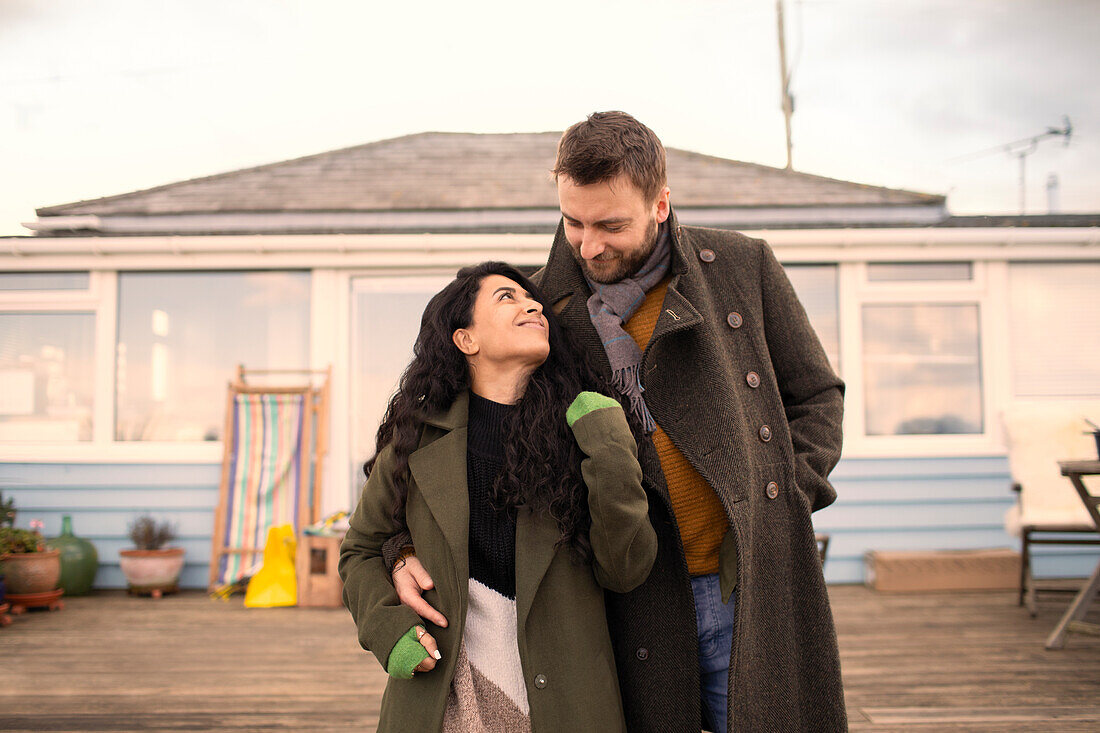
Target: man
point(702, 333)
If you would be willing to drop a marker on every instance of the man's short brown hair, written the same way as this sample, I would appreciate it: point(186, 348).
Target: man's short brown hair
point(610, 144)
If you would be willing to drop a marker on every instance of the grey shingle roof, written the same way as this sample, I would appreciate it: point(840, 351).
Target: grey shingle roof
point(1028, 220)
point(454, 171)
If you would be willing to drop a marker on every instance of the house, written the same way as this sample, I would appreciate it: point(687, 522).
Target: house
point(123, 318)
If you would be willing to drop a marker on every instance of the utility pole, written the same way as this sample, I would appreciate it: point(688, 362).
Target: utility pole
point(784, 80)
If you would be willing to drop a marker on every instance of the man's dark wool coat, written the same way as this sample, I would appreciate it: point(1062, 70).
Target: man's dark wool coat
point(765, 444)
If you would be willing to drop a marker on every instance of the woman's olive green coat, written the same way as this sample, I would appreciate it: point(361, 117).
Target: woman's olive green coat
point(561, 622)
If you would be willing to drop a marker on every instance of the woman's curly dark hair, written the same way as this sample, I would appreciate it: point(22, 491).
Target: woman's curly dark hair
point(541, 458)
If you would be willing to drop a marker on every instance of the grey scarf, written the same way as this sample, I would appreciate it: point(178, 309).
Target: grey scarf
point(610, 306)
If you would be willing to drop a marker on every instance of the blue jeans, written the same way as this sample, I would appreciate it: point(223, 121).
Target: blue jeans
point(715, 623)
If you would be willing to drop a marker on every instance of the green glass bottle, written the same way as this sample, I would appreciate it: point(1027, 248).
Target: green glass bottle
point(79, 560)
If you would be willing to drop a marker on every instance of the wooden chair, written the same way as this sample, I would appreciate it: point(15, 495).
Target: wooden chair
point(276, 438)
point(1048, 510)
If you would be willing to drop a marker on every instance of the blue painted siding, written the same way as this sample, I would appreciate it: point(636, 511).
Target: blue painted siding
point(883, 504)
point(927, 504)
point(103, 499)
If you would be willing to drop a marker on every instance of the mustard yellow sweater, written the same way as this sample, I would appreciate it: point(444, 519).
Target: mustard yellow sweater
point(699, 513)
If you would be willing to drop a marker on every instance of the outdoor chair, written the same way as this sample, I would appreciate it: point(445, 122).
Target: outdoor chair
point(822, 546)
point(276, 438)
point(1048, 510)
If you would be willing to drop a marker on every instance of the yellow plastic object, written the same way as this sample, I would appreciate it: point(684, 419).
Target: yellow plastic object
point(275, 584)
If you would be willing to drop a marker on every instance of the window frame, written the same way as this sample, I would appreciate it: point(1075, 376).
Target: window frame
point(101, 301)
point(333, 260)
point(857, 291)
point(96, 301)
point(191, 272)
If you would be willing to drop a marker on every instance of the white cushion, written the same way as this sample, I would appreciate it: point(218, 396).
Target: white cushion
point(1039, 434)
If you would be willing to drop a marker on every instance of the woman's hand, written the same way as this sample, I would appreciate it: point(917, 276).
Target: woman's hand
point(410, 580)
point(415, 651)
point(428, 642)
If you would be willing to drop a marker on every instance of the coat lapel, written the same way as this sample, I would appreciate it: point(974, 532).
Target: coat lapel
point(439, 470)
point(536, 537)
point(677, 314)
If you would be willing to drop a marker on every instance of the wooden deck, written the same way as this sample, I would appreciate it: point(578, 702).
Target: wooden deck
point(937, 662)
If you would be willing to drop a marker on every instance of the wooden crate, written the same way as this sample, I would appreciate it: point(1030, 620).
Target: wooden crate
point(997, 569)
point(319, 584)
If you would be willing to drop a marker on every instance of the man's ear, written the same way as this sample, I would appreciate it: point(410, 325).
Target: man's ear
point(663, 205)
point(465, 342)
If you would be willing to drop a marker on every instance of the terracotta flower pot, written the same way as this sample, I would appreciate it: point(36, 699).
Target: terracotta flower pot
point(152, 572)
point(32, 572)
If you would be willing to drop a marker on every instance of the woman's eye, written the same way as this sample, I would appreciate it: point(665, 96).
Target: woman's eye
point(506, 295)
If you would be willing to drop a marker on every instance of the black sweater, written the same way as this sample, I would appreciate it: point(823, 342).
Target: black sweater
point(492, 542)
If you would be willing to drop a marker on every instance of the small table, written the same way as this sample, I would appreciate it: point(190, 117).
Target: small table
point(1075, 471)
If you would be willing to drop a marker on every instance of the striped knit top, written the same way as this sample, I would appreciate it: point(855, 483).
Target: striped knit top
point(699, 513)
point(488, 692)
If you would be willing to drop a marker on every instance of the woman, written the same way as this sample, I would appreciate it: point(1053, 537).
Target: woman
point(523, 496)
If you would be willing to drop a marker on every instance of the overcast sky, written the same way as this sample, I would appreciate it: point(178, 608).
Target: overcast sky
point(99, 98)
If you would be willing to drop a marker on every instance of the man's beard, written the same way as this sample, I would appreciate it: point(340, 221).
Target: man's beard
point(626, 265)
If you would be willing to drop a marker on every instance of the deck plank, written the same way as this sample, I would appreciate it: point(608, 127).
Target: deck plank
point(928, 662)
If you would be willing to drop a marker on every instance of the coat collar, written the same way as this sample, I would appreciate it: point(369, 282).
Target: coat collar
point(455, 416)
point(439, 469)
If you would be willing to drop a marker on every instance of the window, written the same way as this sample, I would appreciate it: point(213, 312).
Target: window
point(181, 336)
point(43, 281)
point(919, 271)
point(919, 361)
point(385, 322)
point(1054, 313)
point(47, 368)
point(922, 369)
point(816, 287)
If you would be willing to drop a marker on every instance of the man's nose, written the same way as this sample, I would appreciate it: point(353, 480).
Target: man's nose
point(591, 247)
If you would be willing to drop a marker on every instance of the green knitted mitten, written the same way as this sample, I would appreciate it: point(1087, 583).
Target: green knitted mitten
point(406, 654)
point(585, 403)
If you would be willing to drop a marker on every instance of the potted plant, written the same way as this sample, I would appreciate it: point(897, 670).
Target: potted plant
point(7, 519)
point(151, 568)
point(7, 511)
point(29, 567)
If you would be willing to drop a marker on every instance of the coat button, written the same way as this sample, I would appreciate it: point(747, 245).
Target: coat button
point(772, 490)
point(706, 255)
point(735, 320)
point(540, 681)
point(643, 653)
point(753, 379)
point(765, 433)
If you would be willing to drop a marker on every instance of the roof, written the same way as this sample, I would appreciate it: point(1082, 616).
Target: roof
point(440, 171)
point(1027, 220)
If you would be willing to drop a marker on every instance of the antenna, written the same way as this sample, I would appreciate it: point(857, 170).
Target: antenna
point(1021, 149)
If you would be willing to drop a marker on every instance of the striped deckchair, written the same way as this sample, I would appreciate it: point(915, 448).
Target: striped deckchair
point(275, 440)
